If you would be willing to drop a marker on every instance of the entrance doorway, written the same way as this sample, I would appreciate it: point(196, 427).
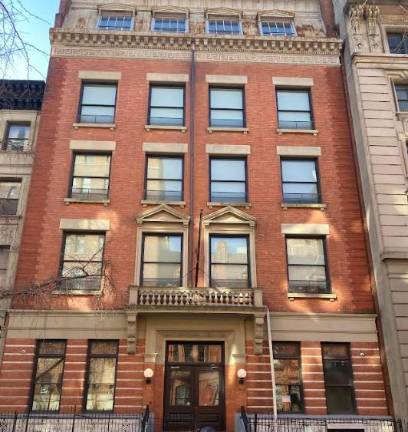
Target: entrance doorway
point(194, 394)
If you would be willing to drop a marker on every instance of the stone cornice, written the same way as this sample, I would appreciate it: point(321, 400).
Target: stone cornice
point(74, 38)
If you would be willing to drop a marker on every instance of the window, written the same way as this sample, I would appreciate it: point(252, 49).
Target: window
point(227, 107)
point(300, 181)
point(90, 179)
point(101, 375)
point(289, 391)
point(98, 103)
point(307, 265)
point(17, 138)
point(228, 180)
point(9, 195)
point(162, 260)
point(338, 378)
point(164, 178)
point(294, 110)
point(227, 25)
point(166, 106)
point(398, 43)
point(229, 262)
point(277, 28)
point(169, 24)
point(402, 97)
point(115, 22)
point(82, 263)
point(4, 261)
point(48, 374)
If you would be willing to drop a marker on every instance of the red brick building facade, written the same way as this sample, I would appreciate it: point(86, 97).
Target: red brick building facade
point(331, 314)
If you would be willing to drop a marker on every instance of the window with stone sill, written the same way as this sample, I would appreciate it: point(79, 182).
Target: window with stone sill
point(82, 261)
point(98, 102)
point(224, 25)
point(162, 260)
point(307, 268)
point(169, 24)
point(288, 375)
point(401, 92)
point(227, 107)
point(166, 105)
point(90, 177)
point(4, 262)
point(338, 378)
point(228, 180)
point(398, 42)
point(300, 182)
point(115, 21)
point(17, 137)
point(272, 27)
point(48, 375)
point(9, 196)
point(164, 178)
point(101, 375)
point(294, 109)
point(229, 261)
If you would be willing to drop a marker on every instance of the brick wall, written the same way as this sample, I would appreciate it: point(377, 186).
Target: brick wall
point(40, 252)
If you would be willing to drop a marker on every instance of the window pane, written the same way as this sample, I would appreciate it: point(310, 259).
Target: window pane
point(300, 193)
point(339, 400)
point(209, 385)
point(307, 273)
point(99, 95)
point(402, 95)
point(299, 171)
point(110, 348)
point(397, 43)
point(335, 351)
point(51, 347)
point(194, 353)
point(167, 116)
point(285, 350)
point(305, 251)
point(162, 248)
point(19, 131)
point(164, 168)
point(9, 190)
point(46, 397)
point(92, 165)
point(293, 100)
point(161, 275)
point(97, 114)
point(227, 169)
point(289, 398)
point(229, 250)
point(338, 372)
point(81, 269)
point(84, 247)
point(167, 97)
point(226, 98)
point(287, 371)
point(228, 192)
point(4, 257)
point(232, 275)
point(225, 118)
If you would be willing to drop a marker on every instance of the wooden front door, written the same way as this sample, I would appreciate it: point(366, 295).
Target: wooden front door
point(194, 394)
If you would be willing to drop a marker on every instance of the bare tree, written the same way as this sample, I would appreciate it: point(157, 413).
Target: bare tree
point(14, 44)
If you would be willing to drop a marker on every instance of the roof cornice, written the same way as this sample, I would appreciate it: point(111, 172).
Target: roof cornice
point(182, 42)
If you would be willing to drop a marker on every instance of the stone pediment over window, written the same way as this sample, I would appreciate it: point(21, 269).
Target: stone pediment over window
point(116, 7)
point(231, 216)
point(222, 12)
point(163, 214)
point(170, 10)
point(276, 14)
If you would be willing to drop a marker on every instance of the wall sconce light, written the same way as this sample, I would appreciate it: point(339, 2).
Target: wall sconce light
point(148, 374)
point(241, 374)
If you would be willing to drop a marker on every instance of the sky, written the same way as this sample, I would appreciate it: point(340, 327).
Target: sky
point(35, 32)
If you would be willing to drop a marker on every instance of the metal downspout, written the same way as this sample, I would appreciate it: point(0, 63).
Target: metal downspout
point(271, 363)
point(192, 167)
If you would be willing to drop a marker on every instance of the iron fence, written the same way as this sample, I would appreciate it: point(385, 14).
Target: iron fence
point(257, 422)
point(92, 422)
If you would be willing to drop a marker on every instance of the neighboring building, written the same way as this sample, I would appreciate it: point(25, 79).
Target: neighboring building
point(20, 106)
point(194, 171)
point(376, 65)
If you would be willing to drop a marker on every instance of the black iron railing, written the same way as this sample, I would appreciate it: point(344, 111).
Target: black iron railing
point(93, 422)
point(257, 422)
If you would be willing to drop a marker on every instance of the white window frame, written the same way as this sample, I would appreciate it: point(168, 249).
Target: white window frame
point(224, 18)
point(116, 13)
point(276, 20)
point(169, 16)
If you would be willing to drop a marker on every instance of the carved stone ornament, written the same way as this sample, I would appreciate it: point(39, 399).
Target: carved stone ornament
point(81, 23)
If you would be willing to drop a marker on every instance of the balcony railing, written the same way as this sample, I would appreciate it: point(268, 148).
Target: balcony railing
point(83, 194)
point(257, 422)
point(56, 422)
point(195, 297)
point(16, 144)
